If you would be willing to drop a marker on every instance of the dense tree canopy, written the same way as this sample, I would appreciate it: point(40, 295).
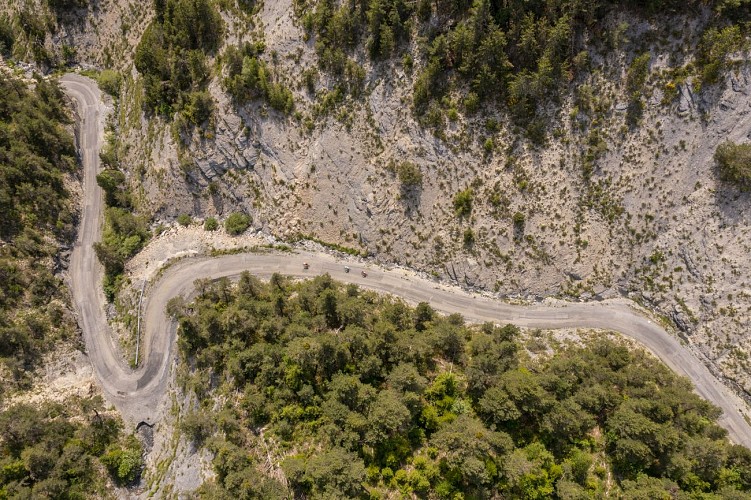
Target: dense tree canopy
point(171, 56)
point(323, 390)
point(53, 451)
point(36, 218)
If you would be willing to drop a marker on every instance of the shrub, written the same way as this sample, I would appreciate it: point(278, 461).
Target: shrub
point(715, 48)
point(171, 56)
point(124, 463)
point(469, 237)
point(409, 175)
point(488, 146)
point(7, 35)
point(237, 223)
point(734, 163)
point(463, 202)
point(249, 77)
point(210, 224)
point(110, 82)
point(184, 220)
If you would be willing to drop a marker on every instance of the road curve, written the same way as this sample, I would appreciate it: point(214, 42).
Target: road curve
point(138, 393)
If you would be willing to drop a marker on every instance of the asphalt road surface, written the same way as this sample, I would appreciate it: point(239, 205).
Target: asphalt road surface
point(138, 393)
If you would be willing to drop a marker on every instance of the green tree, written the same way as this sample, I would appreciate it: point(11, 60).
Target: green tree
point(336, 473)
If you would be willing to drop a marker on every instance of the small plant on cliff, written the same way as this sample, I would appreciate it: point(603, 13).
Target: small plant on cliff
point(237, 223)
point(734, 162)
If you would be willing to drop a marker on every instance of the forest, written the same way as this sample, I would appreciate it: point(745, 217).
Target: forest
point(171, 56)
point(316, 389)
point(51, 450)
point(37, 220)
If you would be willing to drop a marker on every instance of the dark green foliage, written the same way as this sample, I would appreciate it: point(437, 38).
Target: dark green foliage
point(338, 29)
point(171, 57)
point(249, 77)
point(468, 237)
point(184, 220)
point(198, 107)
point(237, 223)
point(36, 218)
point(124, 235)
point(7, 35)
point(637, 73)
point(62, 6)
point(110, 81)
point(112, 181)
point(380, 400)
point(518, 54)
point(32, 25)
point(734, 163)
point(35, 152)
point(51, 450)
point(124, 462)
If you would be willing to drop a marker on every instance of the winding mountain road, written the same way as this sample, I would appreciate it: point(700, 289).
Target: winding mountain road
point(138, 393)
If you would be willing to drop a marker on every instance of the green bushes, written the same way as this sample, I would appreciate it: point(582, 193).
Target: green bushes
point(468, 237)
point(714, 49)
point(112, 181)
point(35, 152)
point(409, 174)
point(123, 236)
point(124, 232)
point(382, 400)
point(636, 77)
point(124, 462)
point(184, 220)
point(110, 81)
point(519, 54)
point(463, 202)
point(7, 35)
point(210, 224)
point(237, 223)
point(734, 163)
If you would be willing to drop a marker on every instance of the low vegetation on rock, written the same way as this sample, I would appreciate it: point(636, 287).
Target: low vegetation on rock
point(517, 54)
